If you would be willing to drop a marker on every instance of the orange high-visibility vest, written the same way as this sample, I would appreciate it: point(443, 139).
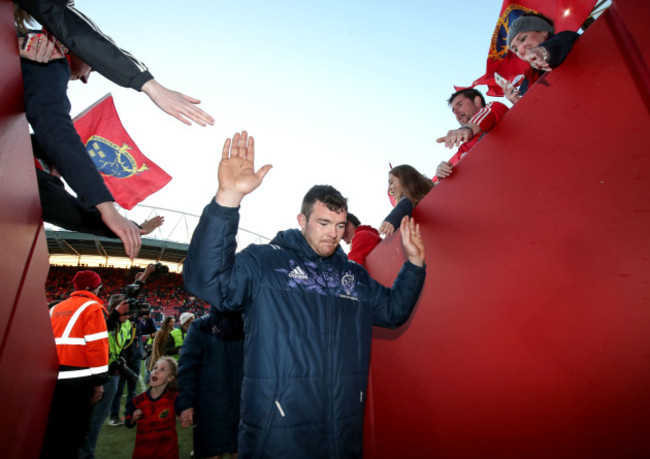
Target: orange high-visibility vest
point(79, 327)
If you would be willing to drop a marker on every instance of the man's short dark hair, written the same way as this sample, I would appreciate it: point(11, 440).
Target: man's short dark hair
point(326, 194)
point(353, 219)
point(470, 93)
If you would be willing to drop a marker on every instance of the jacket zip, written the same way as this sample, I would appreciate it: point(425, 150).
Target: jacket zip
point(329, 370)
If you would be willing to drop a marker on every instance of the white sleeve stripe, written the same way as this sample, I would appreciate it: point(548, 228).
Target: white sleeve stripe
point(84, 18)
point(96, 336)
point(70, 341)
point(480, 115)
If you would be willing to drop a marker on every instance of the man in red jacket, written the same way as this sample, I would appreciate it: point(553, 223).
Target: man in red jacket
point(475, 117)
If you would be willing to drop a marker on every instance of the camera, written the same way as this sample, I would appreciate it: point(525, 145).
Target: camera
point(131, 293)
point(119, 366)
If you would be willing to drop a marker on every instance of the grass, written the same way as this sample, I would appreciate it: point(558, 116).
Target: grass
point(116, 442)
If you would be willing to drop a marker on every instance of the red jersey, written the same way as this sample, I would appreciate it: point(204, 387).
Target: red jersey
point(156, 435)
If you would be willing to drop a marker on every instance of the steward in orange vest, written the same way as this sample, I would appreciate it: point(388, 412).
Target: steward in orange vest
point(79, 326)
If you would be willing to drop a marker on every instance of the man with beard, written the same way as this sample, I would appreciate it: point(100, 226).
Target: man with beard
point(475, 117)
point(308, 314)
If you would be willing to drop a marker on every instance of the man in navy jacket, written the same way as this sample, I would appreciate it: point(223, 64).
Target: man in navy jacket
point(308, 314)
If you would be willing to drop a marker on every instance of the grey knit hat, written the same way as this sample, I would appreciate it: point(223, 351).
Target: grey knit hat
point(528, 24)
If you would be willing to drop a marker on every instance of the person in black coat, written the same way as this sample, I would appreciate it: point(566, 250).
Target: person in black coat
point(210, 372)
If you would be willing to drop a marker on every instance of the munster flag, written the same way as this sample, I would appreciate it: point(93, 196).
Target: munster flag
point(566, 14)
point(129, 175)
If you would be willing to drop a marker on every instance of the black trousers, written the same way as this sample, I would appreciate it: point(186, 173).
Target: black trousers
point(69, 418)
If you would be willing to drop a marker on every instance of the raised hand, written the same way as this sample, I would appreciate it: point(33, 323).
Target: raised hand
point(412, 241)
point(237, 176)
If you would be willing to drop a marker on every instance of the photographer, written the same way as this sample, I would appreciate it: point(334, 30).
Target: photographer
point(121, 336)
point(142, 324)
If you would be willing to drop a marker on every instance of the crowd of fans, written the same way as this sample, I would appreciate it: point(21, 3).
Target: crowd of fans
point(164, 292)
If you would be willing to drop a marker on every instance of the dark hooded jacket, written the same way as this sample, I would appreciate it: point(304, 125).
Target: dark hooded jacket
point(210, 371)
point(308, 325)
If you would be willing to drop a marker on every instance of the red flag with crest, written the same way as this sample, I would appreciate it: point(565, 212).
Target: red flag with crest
point(129, 175)
point(566, 14)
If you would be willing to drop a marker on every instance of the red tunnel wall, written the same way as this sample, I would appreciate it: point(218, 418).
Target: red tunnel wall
point(531, 337)
point(27, 356)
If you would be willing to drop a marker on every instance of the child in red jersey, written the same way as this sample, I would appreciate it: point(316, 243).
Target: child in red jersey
point(153, 411)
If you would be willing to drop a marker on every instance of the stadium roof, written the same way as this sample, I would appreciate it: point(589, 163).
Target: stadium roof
point(167, 244)
point(80, 245)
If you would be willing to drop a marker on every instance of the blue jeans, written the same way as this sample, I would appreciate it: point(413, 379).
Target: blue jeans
point(100, 412)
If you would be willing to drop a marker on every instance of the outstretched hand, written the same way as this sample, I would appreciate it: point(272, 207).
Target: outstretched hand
point(237, 176)
point(148, 226)
point(386, 228)
point(412, 241)
point(125, 229)
point(183, 108)
point(538, 58)
point(455, 137)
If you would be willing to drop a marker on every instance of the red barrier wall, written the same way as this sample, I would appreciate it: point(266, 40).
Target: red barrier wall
point(531, 338)
point(27, 356)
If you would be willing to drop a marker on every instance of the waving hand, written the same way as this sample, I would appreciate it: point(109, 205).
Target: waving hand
point(237, 176)
point(412, 241)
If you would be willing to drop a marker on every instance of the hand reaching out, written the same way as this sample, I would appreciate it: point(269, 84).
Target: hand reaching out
point(183, 108)
point(386, 228)
point(412, 241)
point(237, 176)
point(125, 229)
point(455, 137)
point(149, 225)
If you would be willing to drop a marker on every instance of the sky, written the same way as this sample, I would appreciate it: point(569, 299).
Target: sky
point(333, 91)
